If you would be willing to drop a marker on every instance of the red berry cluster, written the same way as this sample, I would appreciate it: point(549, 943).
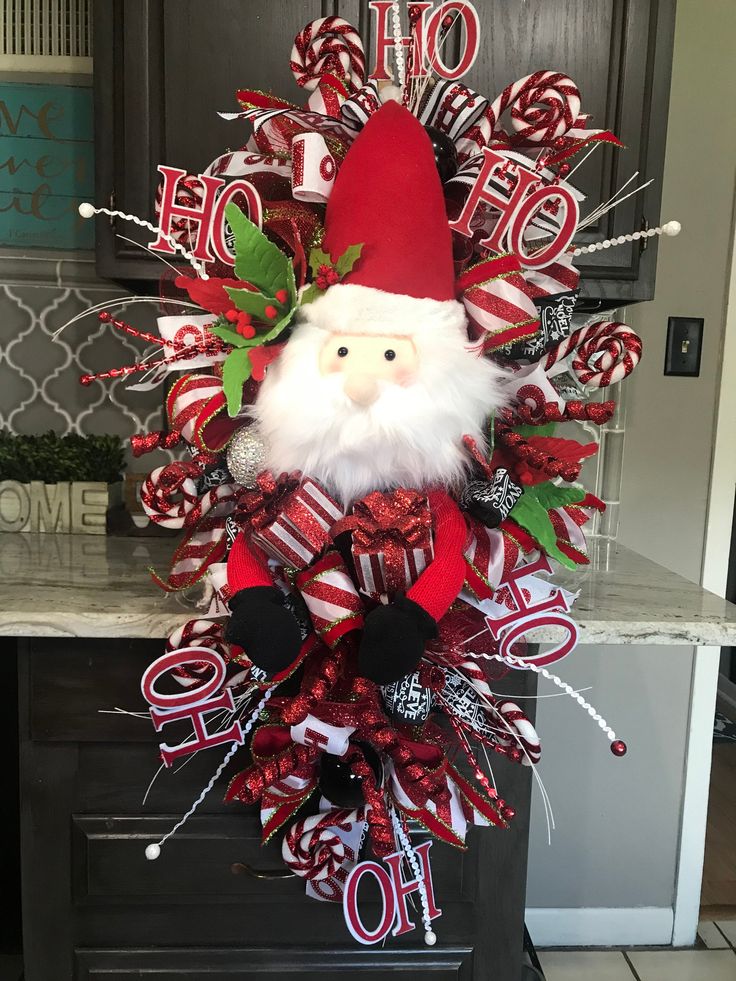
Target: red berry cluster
point(242, 321)
point(326, 276)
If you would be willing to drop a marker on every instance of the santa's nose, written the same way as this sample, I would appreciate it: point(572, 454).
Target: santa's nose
point(361, 388)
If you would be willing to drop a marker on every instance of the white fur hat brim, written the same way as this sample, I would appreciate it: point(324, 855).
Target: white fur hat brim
point(347, 308)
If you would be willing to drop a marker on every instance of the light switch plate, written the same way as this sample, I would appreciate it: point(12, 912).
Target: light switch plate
point(684, 346)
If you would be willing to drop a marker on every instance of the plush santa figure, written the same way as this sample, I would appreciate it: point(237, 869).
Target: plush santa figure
point(375, 390)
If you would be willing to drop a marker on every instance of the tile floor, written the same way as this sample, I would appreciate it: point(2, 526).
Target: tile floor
point(713, 960)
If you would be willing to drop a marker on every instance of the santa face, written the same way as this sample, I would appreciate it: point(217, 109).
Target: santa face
point(364, 412)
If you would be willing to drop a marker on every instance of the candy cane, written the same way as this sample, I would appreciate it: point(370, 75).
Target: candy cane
point(604, 352)
point(328, 45)
point(518, 731)
point(312, 849)
point(544, 106)
point(170, 497)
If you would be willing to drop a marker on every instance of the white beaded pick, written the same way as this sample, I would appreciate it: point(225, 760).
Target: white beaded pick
point(670, 228)
point(398, 44)
point(87, 210)
point(153, 851)
point(516, 662)
point(430, 937)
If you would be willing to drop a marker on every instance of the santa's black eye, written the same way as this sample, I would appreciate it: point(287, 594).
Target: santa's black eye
point(342, 352)
point(389, 355)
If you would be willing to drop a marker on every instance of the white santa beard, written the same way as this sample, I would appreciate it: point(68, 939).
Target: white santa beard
point(410, 436)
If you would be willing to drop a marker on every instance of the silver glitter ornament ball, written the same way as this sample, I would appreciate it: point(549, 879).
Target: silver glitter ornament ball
point(246, 456)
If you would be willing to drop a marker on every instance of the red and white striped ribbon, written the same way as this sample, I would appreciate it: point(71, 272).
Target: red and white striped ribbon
point(187, 397)
point(489, 558)
point(558, 277)
point(281, 799)
point(445, 817)
point(602, 353)
point(497, 301)
point(203, 548)
point(331, 598)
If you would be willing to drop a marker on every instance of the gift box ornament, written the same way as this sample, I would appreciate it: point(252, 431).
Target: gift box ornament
point(290, 518)
point(392, 541)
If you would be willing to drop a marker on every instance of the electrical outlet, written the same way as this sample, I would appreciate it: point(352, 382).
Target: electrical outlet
point(684, 346)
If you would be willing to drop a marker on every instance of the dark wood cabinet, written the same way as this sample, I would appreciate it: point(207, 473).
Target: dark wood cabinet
point(94, 908)
point(164, 67)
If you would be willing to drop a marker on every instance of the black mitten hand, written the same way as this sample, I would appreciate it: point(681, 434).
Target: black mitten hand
point(267, 632)
point(393, 640)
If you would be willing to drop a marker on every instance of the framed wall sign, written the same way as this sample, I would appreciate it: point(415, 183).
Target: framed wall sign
point(46, 165)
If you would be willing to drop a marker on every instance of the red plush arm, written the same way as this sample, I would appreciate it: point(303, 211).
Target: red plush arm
point(246, 567)
point(438, 586)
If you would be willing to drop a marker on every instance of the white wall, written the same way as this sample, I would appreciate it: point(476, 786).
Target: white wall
point(617, 841)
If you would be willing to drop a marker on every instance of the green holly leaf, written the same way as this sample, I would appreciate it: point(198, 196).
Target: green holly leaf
point(550, 495)
point(236, 370)
point(253, 303)
point(348, 259)
point(526, 431)
point(228, 334)
point(310, 293)
point(318, 258)
point(278, 328)
point(291, 285)
point(258, 260)
point(533, 517)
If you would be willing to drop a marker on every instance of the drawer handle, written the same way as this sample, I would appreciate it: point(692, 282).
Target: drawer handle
point(240, 868)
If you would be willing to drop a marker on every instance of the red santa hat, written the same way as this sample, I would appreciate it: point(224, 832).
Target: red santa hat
point(388, 196)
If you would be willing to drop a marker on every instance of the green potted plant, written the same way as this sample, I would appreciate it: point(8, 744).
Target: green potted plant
point(59, 483)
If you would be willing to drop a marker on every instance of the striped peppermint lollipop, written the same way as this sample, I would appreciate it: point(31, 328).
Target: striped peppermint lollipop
point(604, 352)
point(328, 46)
point(544, 106)
point(518, 731)
point(311, 847)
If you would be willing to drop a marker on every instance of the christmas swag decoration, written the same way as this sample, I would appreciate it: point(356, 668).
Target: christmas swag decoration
point(374, 355)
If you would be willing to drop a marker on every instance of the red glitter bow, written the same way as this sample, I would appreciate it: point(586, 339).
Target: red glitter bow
point(261, 505)
point(389, 523)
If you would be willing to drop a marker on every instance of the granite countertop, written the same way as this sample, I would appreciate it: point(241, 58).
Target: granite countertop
point(90, 586)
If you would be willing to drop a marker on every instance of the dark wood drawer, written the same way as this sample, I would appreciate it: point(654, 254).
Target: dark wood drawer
point(94, 907)
point(450, 964)
point(196, 865)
